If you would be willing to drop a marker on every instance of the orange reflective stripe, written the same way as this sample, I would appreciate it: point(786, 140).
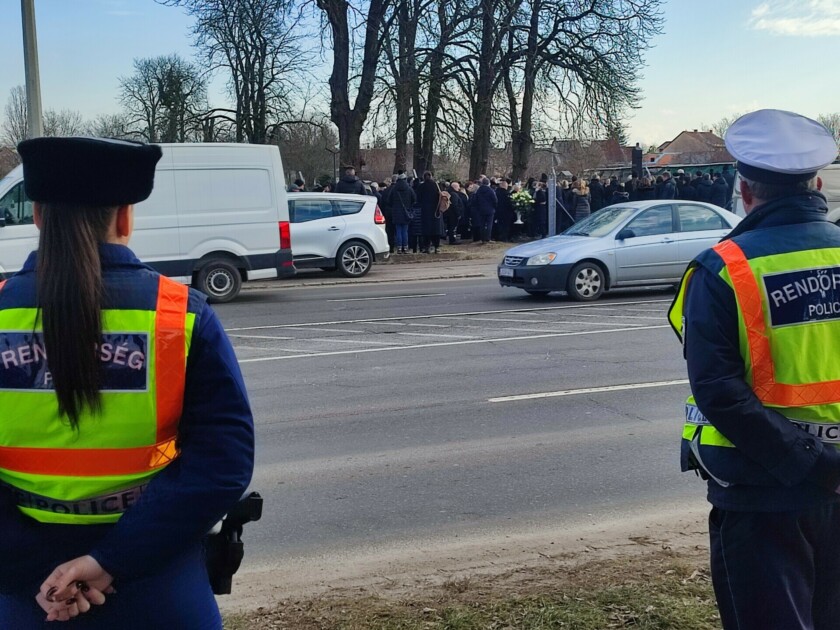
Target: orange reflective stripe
point(2, 282)
point(87, 462)
point(748, 295)
point(170, 355)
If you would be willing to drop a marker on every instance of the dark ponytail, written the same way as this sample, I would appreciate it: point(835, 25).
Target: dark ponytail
point(69, 299)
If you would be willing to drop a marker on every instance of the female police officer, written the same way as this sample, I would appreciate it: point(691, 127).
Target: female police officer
point(125, 429)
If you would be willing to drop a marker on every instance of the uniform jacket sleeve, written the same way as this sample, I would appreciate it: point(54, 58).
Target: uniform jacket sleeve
point(716, 373)
point(214, 469)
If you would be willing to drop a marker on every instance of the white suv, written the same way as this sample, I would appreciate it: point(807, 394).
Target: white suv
point(335, 231)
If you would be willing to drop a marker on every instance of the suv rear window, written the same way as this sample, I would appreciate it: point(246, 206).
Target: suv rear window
point(348, 207)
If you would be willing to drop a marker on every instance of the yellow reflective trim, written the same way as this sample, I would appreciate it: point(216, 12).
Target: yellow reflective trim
point(677, 311)
point(710, 436)
point(43, 516)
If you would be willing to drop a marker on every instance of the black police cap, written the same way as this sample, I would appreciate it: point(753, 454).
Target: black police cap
point(88, 171)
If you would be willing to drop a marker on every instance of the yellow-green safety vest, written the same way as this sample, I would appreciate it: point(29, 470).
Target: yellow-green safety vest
point(93, 474)
point(775, 325)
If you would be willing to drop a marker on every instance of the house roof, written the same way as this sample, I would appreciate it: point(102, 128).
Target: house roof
point(8, 160)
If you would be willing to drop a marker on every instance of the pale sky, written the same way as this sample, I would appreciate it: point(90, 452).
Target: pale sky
point(715, 58)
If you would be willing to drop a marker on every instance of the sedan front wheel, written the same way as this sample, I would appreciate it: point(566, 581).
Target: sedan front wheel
point(586, 282)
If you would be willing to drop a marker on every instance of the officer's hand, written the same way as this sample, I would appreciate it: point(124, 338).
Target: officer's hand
point(72, 587)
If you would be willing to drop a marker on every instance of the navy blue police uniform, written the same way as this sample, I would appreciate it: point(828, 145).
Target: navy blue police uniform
point(154, 552)
point(775, 520)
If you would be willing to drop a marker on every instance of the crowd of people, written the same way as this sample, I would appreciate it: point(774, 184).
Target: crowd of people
point(421, 212)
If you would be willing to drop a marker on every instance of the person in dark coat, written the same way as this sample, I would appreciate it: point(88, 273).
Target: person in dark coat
point(596, 193)
point(644, 190)
point(455, 214)
point(729, 177)
point(632, 185)
point(719, 190)
point(401, 199)
point(619, 196)
point(505, 214)
point(703, 186)
point(669, 188)
point(350, 184)
point(685, 188)
point(428, 197)
point(538, 223)
point(485, 203)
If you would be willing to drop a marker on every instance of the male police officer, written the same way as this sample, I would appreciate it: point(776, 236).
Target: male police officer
point(759, 316)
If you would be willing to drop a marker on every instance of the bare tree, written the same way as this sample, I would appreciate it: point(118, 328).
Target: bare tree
point(587, 56)
point(165, 99)
point(721, 126)
point(258, 42)
point(15, 125)
point(63, 123)
point(110, 126)
point(832, 123)
point(304, 146)
point(350, 120)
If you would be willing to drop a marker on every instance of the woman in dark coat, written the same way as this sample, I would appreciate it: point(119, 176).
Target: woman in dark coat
point(645, 191)
point(580, 199)
point(401, 200)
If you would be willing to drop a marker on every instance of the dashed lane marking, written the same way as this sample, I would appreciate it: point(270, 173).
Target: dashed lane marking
point(587, 390)
point(389, 297)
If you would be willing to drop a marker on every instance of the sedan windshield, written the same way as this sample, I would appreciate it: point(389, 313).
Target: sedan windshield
point(600, 223)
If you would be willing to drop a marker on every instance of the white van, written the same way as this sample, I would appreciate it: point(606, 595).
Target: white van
point(218, 215)
point(830, 187)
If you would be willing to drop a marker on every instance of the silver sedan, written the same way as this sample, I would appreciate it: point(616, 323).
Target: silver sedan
point(630, 244)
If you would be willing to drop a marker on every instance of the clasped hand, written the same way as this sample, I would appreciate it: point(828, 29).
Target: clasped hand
point(73, 587)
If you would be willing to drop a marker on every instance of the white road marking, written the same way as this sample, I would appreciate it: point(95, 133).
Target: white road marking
point(588, 390)
point(336, 340)
point(260, 337)
point(340, 330)
point(430, 325)
point(412, 317)
point(451, 343)
point(389, 297)
point(416, 334)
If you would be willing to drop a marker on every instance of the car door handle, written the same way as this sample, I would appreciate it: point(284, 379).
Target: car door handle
point(667, 240)
point(333, 229)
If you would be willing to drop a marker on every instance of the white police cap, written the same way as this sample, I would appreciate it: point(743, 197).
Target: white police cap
point(775, 146)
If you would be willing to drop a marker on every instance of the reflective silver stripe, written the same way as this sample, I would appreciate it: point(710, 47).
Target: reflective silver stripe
point(114, 503)
point(828, 432)
point(694, 416)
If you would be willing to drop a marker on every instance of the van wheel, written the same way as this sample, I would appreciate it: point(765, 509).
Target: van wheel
point(219, 280)
point(354, 259)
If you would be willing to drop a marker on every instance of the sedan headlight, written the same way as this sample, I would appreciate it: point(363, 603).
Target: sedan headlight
point(541, 259)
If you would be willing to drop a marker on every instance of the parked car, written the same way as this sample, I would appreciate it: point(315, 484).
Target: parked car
point(631, 244)
point(333, 231)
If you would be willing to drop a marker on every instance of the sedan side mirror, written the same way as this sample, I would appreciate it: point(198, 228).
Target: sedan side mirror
point(625, 233)
point(2, 221)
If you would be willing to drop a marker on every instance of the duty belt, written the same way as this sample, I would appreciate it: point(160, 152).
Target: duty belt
point(113, 503)
point(828, 432)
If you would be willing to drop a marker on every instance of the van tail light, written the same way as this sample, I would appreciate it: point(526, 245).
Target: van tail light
point(378, 217)
point(285, 235)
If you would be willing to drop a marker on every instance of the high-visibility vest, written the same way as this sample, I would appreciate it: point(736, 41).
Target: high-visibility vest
point(93, 474)
point(789, 337)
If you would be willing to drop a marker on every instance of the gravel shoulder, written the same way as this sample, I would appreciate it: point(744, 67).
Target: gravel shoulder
point(516, 557)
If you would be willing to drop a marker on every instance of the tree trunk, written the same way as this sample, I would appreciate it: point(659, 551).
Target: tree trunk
point(482, 106)
point(350, 121)
point(522, 141)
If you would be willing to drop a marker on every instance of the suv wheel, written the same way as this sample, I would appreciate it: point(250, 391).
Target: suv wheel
point(354, 259)
point(219, 280)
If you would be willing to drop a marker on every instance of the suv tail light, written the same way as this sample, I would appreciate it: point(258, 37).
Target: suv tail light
point(378, 217)
point(285, 235)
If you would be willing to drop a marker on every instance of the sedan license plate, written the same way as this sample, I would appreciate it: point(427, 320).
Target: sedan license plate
point(504, 272)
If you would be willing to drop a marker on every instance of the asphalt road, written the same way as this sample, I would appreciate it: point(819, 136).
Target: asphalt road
point(387, 412)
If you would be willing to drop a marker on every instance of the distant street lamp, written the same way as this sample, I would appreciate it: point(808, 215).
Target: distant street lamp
point(30, 62)
point(334, 152)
